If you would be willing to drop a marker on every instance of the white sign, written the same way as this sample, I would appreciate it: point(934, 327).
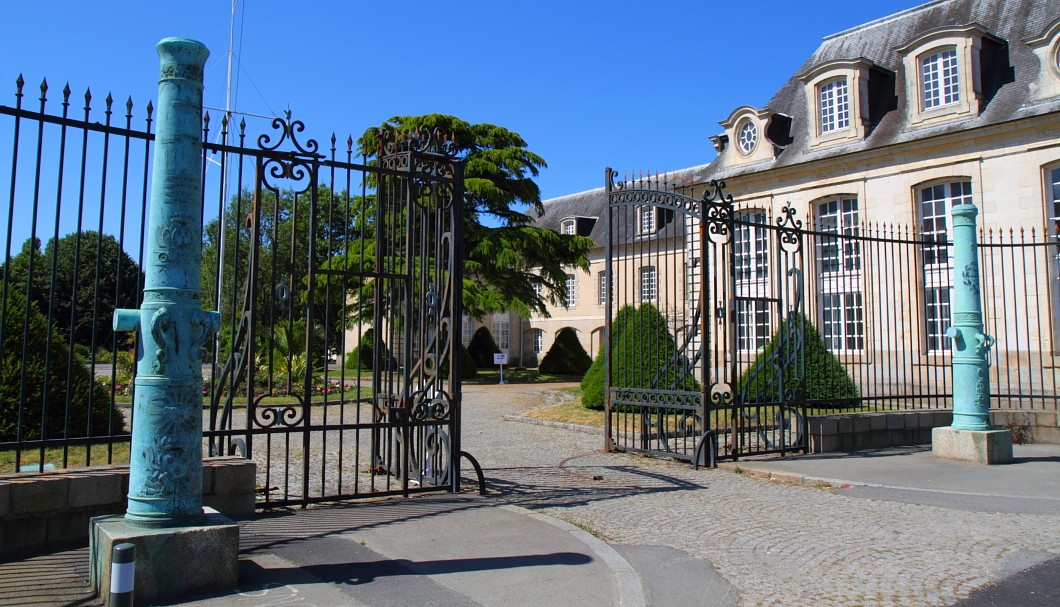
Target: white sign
point(500, 358)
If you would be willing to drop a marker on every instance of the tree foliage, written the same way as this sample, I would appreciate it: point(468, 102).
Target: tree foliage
point(92, 277)
point(644, 355)
point(512, 265)
point(824, 379)
point(362, 357)
point(38, 370)
point(566, 356)
point(482, 348)
point(290, 242)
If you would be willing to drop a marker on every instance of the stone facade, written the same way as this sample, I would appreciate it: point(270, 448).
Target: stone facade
point(868, 120)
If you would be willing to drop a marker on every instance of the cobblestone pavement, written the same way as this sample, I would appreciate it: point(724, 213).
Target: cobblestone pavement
point(779, 545)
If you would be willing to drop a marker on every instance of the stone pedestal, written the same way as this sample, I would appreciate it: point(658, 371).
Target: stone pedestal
point(976, 446)
point(170, 562)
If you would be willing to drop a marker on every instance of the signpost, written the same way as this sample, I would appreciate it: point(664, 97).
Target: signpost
point(500, 358)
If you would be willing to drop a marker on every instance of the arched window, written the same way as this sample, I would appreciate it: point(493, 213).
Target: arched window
point(750, 250)
point(933, 205)
point(841, 310)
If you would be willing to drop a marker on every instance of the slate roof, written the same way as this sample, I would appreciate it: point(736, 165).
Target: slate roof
point(1013, 21)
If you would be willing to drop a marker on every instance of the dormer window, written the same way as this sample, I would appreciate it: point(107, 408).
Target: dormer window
point(952, 73)
point(833, 101)
point(846, 98)
point(1047, 48)
point(647, 220)
point(755, 136)
point(747, 137)
point(567, 227)
point(939, 79)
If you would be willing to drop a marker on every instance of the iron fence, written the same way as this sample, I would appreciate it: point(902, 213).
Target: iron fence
point(311, 251)
point(881, 305)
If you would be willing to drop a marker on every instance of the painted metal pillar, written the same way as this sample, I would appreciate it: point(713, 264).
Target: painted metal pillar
point(165, 468)
point(971, 369)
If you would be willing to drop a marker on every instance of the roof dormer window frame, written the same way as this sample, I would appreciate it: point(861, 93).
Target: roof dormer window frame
point(929, 68)
point(568, 226)
point(840, 112)
point(1047, 48)
point(745, 134)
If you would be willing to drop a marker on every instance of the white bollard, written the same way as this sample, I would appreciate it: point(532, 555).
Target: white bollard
point(122, 575)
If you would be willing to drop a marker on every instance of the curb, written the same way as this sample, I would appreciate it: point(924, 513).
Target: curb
point(630, 588)
point(552, 424)
point(787, 477)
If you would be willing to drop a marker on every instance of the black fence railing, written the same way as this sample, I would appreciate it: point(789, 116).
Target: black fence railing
point(879, 298)
point(74, 179)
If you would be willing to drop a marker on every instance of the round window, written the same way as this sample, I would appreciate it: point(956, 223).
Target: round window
point(747, 137)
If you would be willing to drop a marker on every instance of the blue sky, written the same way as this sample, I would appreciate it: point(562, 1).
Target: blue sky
point(637, 86)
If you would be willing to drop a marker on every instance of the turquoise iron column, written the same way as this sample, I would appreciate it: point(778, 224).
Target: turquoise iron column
point(165, 468)
point(971, 372)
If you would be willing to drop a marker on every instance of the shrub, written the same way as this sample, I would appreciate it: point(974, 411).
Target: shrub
point(825, 379)
point(643, 355)
point(67, 376)
point(566, 356)
point(468, 367)
point(362, 356)
point(482, 348)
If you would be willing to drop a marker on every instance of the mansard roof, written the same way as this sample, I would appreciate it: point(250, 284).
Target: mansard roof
point(880, 41)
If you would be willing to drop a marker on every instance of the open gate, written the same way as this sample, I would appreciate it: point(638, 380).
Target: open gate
point(705, 355)
point(330, 254)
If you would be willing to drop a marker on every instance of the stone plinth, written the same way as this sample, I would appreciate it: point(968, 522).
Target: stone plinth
point(170, 562)
point(976, 446)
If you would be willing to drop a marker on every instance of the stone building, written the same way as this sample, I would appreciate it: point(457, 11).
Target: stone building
point(884, 127)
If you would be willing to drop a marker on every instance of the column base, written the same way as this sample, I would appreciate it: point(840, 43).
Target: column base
point(170, 562)
point(977, 446)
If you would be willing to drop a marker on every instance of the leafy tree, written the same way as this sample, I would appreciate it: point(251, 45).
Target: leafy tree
point(468, 368)
point(93, 277)
point(566, 356)
point(514, 265)
point(284, 225)
point(482, 348)
point(824, 378)
point(593, 381)
point(35, 356)
point(643, 355)
point(362, 357)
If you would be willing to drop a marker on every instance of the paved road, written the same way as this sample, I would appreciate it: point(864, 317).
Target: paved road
point(714, 538)
point(777, 544)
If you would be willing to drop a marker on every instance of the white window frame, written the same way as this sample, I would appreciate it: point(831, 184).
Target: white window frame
point(502, 334)
point(649, 284)
point(601, 297)
point(747, 137)
point(538, 341)
point(940, 79)
point(754, 324)
point(1052, 212)
point(647, 219)
point(839, 278)
point(751, 246)
point(468, 330)
point(833, 104)
point(934, 202)
point(571, 286)
point(567, 227)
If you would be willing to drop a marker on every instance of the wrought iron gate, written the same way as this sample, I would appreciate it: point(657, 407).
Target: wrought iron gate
point(705, 354)
point(324, 268)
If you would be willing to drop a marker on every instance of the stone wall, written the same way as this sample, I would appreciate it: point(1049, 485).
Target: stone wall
point(850, 431)
point(38, 510)
point(846, 432)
